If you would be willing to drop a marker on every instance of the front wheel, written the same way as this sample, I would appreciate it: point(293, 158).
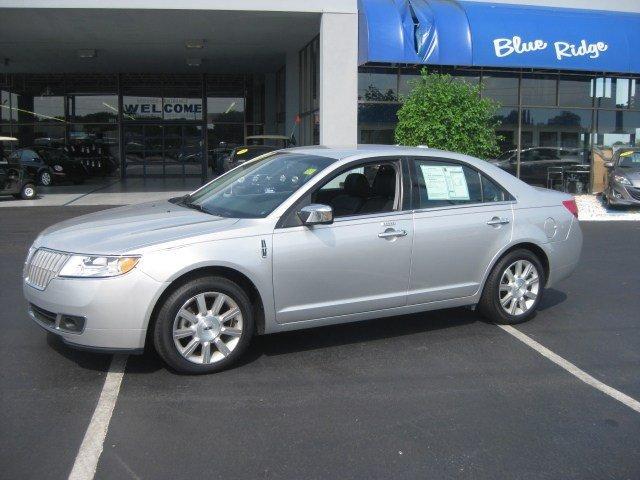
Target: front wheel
point(204, 326)
point(514, 288)
point(28, 191)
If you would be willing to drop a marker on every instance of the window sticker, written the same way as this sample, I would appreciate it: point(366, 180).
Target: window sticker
point(445, 182)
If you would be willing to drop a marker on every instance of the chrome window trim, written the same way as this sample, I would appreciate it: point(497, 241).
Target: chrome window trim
point(465, 205)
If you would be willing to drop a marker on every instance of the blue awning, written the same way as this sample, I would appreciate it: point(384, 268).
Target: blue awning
point(450, 32)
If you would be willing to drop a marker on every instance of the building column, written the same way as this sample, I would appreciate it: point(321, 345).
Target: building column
point(339, 79)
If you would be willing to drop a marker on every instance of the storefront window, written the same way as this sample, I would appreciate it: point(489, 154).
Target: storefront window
point(611, 92)
point(376, 123)
point(575, 91)
point(553, 127)
point(225, 109)
point(539, 89)
point(93, 108)
point(508, 129)
point(501, 87)
point(379, 85)
point(615, 128)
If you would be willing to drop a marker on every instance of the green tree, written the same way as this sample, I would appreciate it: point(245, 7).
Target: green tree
point(447, 113)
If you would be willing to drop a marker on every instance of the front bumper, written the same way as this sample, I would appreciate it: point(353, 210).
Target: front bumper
point(115, 310)
point(619, 194)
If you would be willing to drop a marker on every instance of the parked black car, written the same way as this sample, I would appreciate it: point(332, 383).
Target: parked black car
point(17, 181)
point(50, 165)
point(623, 182)
point(541, 166)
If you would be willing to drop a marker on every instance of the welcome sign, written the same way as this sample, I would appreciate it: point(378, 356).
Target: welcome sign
point(166, 108)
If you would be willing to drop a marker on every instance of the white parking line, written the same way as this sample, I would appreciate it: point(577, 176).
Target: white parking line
point(84, 467)
point(572, 369)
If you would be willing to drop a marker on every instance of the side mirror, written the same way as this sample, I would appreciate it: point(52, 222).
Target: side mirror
point(316, 214)
point(608, 165)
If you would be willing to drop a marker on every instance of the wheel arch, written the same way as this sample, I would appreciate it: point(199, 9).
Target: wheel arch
point(207, 271)
point(534, 248)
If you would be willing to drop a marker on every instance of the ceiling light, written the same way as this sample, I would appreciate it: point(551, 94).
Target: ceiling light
point(194, 62)
point(87, 53)
point(194, 44)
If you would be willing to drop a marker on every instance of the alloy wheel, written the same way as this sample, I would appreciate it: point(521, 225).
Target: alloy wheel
point(207, 328)
point(519, 287)
point(45, 178)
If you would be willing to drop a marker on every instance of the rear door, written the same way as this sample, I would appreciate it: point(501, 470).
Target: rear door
point(462, 220)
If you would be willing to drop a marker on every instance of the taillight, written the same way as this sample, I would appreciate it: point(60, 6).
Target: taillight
point(571, 206)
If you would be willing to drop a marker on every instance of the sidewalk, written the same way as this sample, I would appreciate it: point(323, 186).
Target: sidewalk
point(108, 192)
point(591, 209)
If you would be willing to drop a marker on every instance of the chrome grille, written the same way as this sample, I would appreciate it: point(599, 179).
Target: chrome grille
point(634, 192)
point(43, 266)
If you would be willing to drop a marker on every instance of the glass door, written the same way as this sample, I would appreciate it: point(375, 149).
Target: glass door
point(156, 150)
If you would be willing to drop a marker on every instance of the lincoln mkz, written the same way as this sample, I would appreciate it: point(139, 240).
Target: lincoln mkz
point(301, 238)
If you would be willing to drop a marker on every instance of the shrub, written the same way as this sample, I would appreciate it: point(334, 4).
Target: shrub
point(447, 113)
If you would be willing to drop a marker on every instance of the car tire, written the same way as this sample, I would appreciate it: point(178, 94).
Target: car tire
point(27, 192)
point(512, 298)
point(45, 178)
point(173, 341)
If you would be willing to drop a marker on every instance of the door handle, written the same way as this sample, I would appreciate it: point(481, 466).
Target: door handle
point(495, 221)
point(392, 234)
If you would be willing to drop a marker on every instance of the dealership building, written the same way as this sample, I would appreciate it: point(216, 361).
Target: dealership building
point(158, 87)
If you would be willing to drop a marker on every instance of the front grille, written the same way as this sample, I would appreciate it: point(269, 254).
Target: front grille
point(634, 192)
point(43, 266)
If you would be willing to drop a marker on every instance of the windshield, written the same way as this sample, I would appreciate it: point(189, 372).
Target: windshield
point(256, 188)
point(506, 155)
point(630, 159)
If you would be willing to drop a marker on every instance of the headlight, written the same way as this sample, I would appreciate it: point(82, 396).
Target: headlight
point(97, 267)
point(57, 168)
point(621, 179)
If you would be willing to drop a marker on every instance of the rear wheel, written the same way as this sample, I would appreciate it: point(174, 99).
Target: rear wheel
point(514, 288)
point(44, 178)
point(204, 326)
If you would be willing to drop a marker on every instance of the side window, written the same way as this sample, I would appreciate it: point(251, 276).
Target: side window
point(491, 192)
point(362, 190)
point(442, 183)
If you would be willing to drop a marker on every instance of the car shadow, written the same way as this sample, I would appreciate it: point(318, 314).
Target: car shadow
point(310, 339)
point(330, 336)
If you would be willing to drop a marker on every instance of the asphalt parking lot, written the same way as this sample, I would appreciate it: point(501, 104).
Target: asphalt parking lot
point(437, 395)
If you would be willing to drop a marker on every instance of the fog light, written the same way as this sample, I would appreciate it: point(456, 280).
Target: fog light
point(72, 323)
point(617, 194)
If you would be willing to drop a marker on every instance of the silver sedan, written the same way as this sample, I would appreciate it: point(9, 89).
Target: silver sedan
point(297, 239)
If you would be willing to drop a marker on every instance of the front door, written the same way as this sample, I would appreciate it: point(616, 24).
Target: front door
point(359, 263)
point(464, 219)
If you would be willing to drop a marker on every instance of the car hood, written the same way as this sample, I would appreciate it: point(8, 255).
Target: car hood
point(126, 229)
point(632, 175)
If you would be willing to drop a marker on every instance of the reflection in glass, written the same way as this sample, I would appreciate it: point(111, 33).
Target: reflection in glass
point(225, 109)
point(501, 87)
point(539, 89)
point(378, 85)
point(376, 123)
point(575, 91)
point(93, 108)
point(614, 128)
point(611, 92)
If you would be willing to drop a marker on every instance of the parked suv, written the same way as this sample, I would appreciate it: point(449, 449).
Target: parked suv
point(15, 180)
point(301, 238)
